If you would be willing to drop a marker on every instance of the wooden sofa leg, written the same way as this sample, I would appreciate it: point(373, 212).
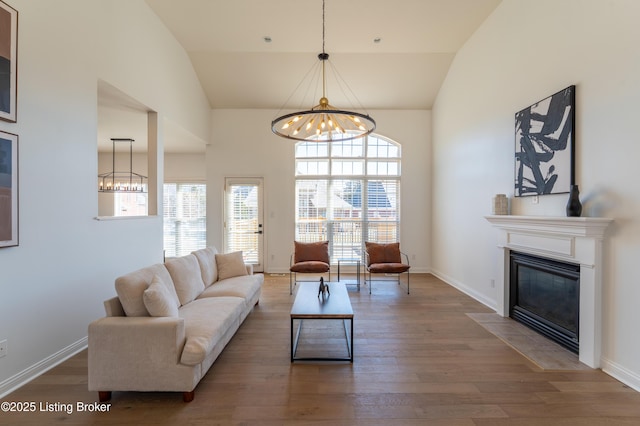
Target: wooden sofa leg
point(257, 303)
point(104, 396)
point(188, 396)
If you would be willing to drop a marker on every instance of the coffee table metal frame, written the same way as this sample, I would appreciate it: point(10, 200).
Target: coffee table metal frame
point(335, 306)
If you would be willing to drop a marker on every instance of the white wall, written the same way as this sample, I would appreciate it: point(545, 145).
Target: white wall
point(53, 284)
point(185, 167)
point(243, 145)
point(524, 52)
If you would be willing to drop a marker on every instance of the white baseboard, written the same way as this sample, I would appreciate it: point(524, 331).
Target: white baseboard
point(465, 289)
point(618, 372)
point(12, 383)
point(277, 271)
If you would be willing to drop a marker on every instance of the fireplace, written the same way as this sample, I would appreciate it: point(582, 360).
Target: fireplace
point(545, 296)
point(570, 240)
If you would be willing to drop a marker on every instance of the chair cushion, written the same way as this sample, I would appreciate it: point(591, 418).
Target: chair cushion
point(305, 252)
point(383, 252)
point(310, 267)
point(388, 268)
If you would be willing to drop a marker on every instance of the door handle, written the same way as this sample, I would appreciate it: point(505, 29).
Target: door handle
point(258, 232)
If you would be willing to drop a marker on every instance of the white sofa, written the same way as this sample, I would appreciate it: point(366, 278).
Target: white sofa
point(170, 322)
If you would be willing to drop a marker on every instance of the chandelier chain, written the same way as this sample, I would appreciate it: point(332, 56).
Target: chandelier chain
point(323, 27)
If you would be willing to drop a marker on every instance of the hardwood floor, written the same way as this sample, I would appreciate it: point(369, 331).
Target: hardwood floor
point(419, 360)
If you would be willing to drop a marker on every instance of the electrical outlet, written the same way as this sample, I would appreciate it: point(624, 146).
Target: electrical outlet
point(535, 200)
point(3, 348)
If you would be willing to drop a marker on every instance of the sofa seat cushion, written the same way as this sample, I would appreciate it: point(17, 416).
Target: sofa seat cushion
point(388, 268)
point(245, 286)
point(185, 272)
point(205, 323)
point(130, 289)
point(310, 267)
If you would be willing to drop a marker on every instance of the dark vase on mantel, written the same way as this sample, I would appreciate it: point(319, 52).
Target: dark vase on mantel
point(574, 208)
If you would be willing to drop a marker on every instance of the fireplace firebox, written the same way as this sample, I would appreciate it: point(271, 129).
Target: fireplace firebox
point(545, 296)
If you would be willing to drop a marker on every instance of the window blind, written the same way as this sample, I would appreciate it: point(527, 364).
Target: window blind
point(185, 218)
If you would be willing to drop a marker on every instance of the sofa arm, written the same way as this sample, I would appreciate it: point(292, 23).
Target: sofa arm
point(128, 353)
point(113, 307)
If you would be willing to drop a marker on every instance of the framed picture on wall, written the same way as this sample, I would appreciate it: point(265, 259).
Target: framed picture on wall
point(8, 189)
point(545, 145)
point(8, 61)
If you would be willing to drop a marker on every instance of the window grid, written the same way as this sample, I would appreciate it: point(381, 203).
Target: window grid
point(351, 198)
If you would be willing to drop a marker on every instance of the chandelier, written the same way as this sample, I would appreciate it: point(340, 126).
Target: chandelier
point(122, 181)
point(323, 122)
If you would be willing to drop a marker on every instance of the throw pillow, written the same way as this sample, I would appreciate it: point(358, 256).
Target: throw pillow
point(158, 301)
point(307, 252)
point(383, 253)
point(230, 265)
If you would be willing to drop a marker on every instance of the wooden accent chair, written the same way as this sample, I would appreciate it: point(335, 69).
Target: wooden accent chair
point(309, 258)
point(385, 259)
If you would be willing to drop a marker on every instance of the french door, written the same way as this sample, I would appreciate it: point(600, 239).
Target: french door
point(243, 219)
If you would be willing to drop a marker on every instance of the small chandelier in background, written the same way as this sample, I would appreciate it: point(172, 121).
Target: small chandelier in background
point(122, 181)
point(323, 122)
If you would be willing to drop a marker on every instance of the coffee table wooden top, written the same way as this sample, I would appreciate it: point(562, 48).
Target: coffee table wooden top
point(309, 305)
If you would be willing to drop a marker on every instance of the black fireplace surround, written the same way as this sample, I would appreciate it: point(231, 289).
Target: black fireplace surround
point(545, 296)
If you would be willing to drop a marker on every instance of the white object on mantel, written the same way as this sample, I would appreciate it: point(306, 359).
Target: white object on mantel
point(568, 239)
point(500, 204)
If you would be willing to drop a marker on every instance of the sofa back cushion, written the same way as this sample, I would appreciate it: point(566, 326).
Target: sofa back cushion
point(208, 268)
point(186, 276)
point(130, 289)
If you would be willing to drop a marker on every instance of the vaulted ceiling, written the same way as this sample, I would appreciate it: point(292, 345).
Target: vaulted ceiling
point(237, 68)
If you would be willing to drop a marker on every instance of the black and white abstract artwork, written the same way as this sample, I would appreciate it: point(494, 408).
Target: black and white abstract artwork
point(544, 145)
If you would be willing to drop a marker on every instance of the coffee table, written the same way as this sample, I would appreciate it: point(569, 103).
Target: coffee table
point(308, 305)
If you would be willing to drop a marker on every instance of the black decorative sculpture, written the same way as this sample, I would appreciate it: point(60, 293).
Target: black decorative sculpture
point(323, 289)
point(574, 207)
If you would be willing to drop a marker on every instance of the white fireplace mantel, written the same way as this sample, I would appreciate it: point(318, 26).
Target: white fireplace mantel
point(569, 239)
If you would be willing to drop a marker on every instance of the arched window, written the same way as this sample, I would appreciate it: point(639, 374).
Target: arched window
point(347, 192)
